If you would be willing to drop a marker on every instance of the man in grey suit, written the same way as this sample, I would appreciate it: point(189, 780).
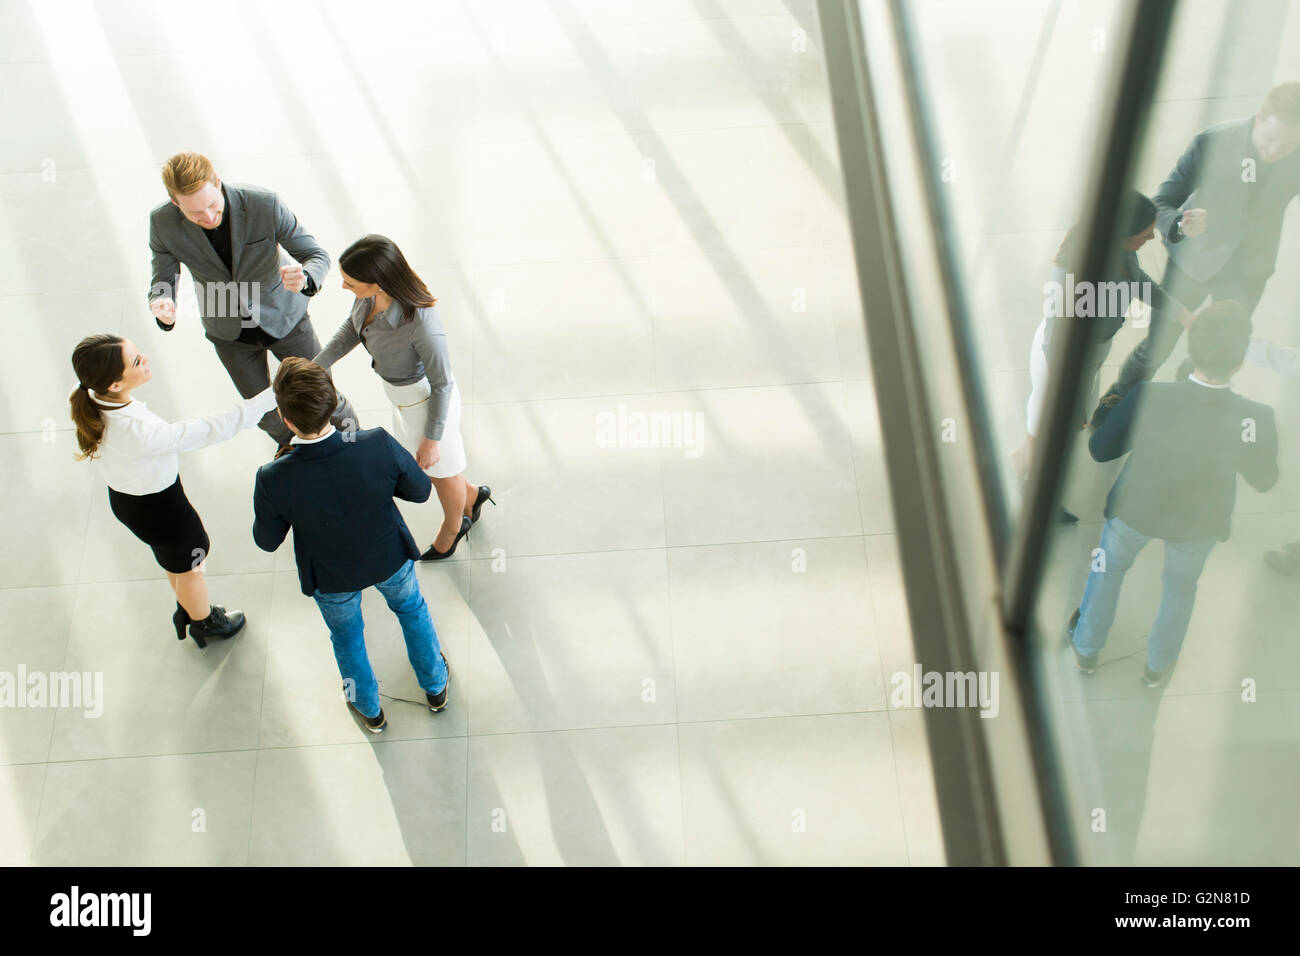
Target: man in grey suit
point(1220, 211)
point(254, 268)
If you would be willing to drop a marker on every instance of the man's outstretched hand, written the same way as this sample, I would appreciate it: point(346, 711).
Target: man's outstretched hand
point(164, 313)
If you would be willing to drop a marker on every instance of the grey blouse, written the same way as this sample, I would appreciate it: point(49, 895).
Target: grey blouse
point(401, 352)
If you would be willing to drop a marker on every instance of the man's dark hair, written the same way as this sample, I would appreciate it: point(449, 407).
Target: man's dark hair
point(1218, 338)
point(305, 394)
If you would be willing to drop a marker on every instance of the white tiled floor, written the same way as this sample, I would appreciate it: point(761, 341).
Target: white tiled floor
point(618, 204)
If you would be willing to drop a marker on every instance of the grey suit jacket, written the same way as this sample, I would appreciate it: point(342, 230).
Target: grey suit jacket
point(264, 235)
point(1243, 218)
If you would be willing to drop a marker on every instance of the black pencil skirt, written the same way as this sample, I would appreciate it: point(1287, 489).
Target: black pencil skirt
point(167, 522)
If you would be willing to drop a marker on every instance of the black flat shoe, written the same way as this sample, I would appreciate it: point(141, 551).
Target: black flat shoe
point(180, 618)
point(484, 494)
point(433, 554)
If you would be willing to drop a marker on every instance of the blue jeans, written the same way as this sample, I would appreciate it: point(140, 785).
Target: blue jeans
point(1120, 545)
point(342, 613)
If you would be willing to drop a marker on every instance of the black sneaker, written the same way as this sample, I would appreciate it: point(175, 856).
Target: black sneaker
point(374, 724)
point(438, 701)
point(1286, 561)
point(1151, 678)
point(1069, 628)
point(1087, 665)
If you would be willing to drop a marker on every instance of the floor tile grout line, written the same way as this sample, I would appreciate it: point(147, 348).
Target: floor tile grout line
point(54, 724)
point(488, 266)
point(885, 684)
point(1185, 695)
point(1181, 695)
point(469, 655)
point(611, 396)
point(672, 651)
point(261, 715)
point(523, 732)
point(898, 789)
point(462, 736)
point(527, 554)
point(40, 803)
point(584, 25)
point(613, 133)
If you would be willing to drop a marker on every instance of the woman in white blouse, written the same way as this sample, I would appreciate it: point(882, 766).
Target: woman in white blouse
point(136, 450)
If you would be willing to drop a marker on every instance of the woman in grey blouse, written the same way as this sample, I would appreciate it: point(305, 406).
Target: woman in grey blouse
point(396, 319)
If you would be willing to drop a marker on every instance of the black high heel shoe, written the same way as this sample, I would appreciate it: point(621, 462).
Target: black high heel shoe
point(484, 493)
point(433, 554)
point(180, 618)
point(218, 625)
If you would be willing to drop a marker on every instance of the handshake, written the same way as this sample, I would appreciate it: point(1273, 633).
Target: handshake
point(163, 308)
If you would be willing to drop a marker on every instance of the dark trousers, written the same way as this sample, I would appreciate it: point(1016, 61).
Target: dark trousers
point(1228, 284)
point(245, 361)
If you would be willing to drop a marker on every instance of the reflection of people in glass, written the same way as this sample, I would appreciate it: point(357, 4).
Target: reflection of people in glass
point(1103, 303)
point(1286, 362)
point(1188, 440)
point(1220, 211)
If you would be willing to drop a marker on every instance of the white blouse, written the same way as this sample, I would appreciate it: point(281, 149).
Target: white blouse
point(138, 453)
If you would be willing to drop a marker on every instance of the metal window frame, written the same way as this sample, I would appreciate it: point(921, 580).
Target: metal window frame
point(943, 628)
point(926, 542)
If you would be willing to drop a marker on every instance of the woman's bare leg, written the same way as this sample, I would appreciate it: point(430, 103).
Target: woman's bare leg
point(451, 494)
point(191, 593)
point(471, 496)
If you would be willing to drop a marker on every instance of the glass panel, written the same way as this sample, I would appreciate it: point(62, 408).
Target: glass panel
point(1177, 713)
point(1015, 95)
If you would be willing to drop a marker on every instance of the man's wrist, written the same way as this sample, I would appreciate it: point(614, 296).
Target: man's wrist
point(309, 285)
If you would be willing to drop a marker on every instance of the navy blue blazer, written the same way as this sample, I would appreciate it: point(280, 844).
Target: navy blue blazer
point(1187, 443)
point(338, 497)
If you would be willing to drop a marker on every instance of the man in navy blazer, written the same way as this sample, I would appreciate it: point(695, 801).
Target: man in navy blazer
point(336, 491)
point(1187, 442)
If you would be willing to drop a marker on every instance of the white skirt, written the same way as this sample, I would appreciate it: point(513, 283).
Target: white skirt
point(411, 412)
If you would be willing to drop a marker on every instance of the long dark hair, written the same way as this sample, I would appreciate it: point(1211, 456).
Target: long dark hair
point(377, 259)
point(98, 362)
point(1135, 216)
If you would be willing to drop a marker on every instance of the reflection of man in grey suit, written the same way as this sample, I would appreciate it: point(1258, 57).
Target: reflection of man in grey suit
point(1221, 212)
point(254, 267)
